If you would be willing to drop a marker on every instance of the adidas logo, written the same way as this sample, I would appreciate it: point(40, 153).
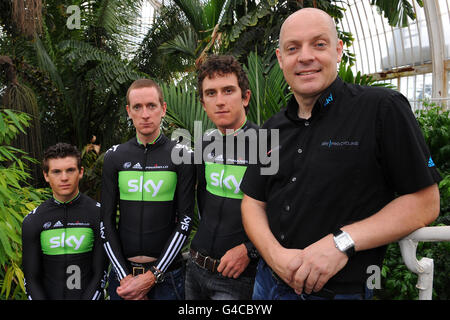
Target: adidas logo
point(137, 166)
point(58, 224)
point(430, 163)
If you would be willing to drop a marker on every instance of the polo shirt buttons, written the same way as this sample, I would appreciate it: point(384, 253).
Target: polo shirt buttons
point(299, 150)
point(282, 236)
point(294, 179)
point(306, 123)
point(287, 208)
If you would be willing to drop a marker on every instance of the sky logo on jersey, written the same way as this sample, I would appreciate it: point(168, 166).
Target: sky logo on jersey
point(147, 185)
point(224, 180)
point(67, 241)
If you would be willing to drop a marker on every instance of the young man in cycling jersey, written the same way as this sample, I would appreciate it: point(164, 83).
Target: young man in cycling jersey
point(222, 261)
point(62, 257)
point(156, 202)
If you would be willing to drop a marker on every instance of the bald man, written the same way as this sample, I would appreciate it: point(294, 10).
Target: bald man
point(355, 174)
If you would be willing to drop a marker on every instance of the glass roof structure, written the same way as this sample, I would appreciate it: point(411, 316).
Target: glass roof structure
point(415, 59)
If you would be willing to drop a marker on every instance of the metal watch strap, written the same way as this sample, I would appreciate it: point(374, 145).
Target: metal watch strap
point(159, 276)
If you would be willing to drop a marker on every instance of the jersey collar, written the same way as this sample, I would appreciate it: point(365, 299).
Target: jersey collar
point(74, 199)
point(160, 139)
point(153, 142)
point(237, 131)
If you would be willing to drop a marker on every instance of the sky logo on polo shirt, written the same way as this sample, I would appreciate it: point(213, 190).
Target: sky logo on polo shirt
point(430, 163)
point(223, 180)
point(328, 100)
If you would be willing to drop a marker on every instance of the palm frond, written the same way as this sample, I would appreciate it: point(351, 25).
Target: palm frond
point(47, 64)
point(184, 43)
point(268, 87)
point(396, 11)
point(109, 73)
point(184, 107)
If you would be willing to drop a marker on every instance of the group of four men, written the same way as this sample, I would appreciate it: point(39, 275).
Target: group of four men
point(354, 174)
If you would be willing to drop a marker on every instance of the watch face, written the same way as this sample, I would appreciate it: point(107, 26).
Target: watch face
point(343, 242)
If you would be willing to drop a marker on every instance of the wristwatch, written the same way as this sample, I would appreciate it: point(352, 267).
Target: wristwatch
point(158, 274)
point(252, 253)
point(344, 242)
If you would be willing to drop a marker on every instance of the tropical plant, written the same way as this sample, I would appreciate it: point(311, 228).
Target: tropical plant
point(92, 162)
point(189, 30)
point(397, 281)
point(267, 86)
point(184, 108)
point(397, 11)
point(87, 66)
point(18, 96)
point(17, 198)
point(345, 72)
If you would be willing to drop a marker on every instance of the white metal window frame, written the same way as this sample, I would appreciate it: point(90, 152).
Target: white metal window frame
point(415, 59)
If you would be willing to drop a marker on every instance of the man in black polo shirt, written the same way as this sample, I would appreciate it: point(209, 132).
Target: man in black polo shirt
point(354, 175)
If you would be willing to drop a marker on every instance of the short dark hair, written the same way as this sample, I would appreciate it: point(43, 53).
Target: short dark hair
point(145, 83)
point(222, 65)
point(60, 150)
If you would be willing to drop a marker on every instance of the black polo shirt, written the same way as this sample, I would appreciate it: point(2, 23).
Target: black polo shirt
point(360, 149)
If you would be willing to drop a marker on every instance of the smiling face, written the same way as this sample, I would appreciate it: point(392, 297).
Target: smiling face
point(146, 112)
point(63, 176)
point(223, 101)
point(309, 52)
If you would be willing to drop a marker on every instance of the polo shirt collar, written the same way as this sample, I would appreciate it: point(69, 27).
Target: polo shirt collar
point(325, 101)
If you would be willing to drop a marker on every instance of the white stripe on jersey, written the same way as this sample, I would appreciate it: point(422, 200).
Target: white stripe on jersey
point(96, 295)
point(172, 251)
point(117, 267)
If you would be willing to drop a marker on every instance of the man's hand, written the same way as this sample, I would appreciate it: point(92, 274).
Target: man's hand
point(286, 262)
point(234, 262)
point(136, 288)
point(315, 265)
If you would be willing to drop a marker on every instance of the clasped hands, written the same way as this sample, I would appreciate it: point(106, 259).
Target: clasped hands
point(308, 270)
point(136, 288)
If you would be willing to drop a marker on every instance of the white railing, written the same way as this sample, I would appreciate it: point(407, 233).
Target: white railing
point(423, 267)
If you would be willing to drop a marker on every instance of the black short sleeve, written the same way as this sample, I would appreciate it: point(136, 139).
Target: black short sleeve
point(253, 184)
point(405, 157)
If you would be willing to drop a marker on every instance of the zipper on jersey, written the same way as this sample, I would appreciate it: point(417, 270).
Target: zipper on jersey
point(222, 200)
point(141, 240)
